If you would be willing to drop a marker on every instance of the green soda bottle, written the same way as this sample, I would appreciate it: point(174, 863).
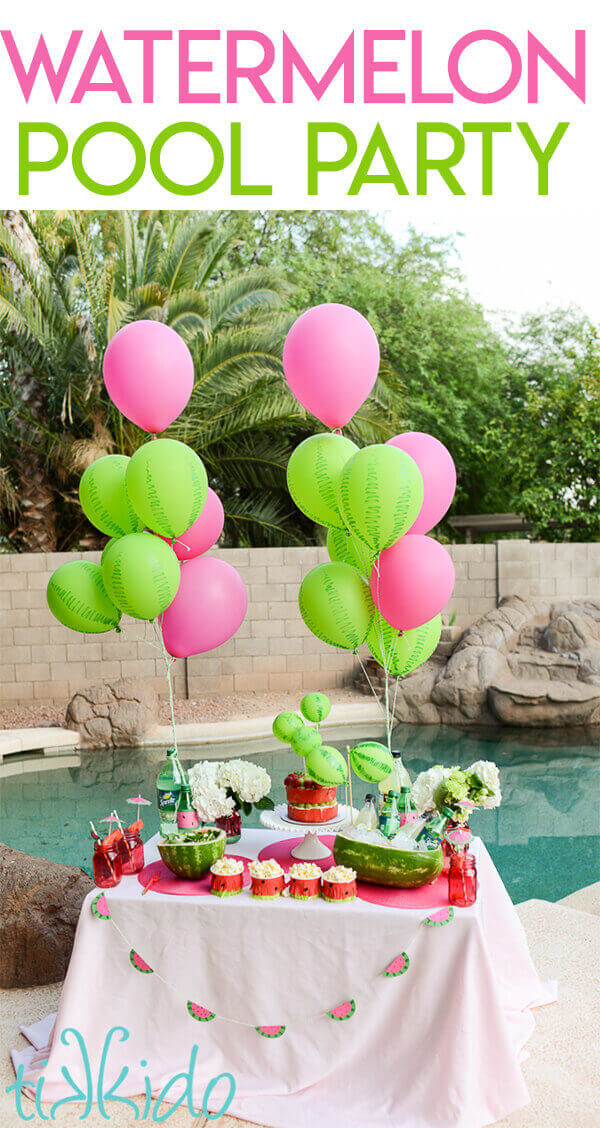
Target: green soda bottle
point(169, 783)
point(389, 816)
point(433, 832)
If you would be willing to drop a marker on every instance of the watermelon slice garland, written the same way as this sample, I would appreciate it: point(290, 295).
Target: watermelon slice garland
point(100, 907)
point(201, 1014)
point(343, 1012)
point(139, 964)
point(397, 966)
point(440, 918)
point(270, 1031)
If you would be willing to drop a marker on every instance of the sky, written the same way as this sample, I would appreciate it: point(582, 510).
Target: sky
point(519, 262)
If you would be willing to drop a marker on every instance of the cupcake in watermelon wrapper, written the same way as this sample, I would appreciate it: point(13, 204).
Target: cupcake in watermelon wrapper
point(227, 877)
point(339, 884)
point(305, 881)
point(268, 881)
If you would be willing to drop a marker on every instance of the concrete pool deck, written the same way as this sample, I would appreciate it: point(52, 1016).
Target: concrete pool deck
point(243, 729)
point(561, 1072)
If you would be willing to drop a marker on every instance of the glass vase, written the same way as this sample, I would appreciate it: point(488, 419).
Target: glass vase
point(131, 850)
point(462, 879)
point(232, 825)
point(107, 865)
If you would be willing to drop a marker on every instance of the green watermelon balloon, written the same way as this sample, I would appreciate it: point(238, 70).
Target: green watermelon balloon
point(315, 707)
point(78, 598)
point(141, 574)
point(387, 645)
point(327, 766)
point(420, 643)
point(380, 494)
point(285, 725)
point(348, 549)
point(104, 498)
point(336, 605)
point(313, 474)
point(371, 761)
point(167, 484)
point(107, 545)
point(306, 740)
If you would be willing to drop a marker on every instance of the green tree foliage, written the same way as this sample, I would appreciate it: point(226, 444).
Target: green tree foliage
point(68, 282)
point(443, 350)
point(518, 410)
point(546, 450)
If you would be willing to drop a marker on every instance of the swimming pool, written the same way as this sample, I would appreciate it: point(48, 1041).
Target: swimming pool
point(544, 839)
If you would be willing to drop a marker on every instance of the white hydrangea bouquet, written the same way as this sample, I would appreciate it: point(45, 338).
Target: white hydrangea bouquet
point(459, 789)
point(219, 787)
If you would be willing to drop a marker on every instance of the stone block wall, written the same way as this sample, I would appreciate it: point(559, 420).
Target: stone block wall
point(42, 661)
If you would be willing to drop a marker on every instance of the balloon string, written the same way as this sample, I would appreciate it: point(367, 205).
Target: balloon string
point(388, 727)
point(168, 660)
point(373, 690)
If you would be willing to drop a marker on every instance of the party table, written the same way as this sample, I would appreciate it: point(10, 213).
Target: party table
point(386, 1011)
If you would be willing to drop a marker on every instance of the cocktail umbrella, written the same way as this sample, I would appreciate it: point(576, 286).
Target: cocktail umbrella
point(139, 801)
point(120, 826)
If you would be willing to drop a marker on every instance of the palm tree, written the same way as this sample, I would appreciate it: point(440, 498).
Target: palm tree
point(68, 282)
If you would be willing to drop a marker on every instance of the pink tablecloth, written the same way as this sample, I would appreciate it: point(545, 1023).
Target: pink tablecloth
point(435, 1047)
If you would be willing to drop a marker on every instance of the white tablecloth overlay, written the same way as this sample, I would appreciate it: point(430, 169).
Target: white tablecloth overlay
point(437, 1047)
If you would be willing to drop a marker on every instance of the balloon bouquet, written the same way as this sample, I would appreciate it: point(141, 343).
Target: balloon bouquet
point(387, 581)
point(158, 510)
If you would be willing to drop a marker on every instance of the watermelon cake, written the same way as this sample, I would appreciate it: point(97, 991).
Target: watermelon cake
point(305, 881)
point(308, 801)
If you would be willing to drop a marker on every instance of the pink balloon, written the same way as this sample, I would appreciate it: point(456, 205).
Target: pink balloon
point(331, 361)
point(209, 607)
point(415, 581)
point(439, 476)
point(205, 531)
point(149, 374)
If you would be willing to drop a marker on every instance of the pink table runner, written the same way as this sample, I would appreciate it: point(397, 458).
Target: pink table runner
point(436, 1046)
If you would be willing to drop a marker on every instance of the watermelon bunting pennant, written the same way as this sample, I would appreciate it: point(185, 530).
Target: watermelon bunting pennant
point(343, 1012)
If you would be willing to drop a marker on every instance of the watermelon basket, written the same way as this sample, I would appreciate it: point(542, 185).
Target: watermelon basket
point(194, 853)
point(383, 865)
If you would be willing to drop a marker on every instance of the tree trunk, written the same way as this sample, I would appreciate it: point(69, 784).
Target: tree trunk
point(36, 525)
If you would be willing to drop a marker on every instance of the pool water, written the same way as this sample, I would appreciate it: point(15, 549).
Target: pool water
point(544, 838)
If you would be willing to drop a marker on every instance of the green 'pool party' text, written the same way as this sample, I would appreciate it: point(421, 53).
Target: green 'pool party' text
point(97, 1090)
point(361, 165)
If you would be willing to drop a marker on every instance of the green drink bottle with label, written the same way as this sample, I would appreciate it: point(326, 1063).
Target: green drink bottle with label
point(433, 832)
point(389, 816)
point(171, 779)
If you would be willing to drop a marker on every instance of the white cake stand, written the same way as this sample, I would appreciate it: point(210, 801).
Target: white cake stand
point(310, 849)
